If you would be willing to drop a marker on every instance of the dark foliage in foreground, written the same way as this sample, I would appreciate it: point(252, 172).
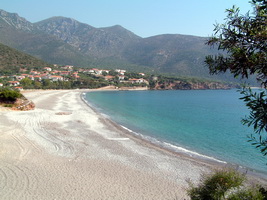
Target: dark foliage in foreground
point(9, 95)
point(225, 184)
point(242, 39)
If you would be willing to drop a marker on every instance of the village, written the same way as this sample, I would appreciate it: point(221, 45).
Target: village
point(68, 74)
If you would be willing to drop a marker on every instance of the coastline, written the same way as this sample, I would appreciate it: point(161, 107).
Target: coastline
point(154, 143)
point(65, 150)
point(213, 163)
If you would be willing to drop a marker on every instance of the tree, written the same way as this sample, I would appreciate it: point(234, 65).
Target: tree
point(242, 43)
point(46, 83)
point(104, 73)
point(26, 83)
point(225, 184)
point(37, 85)
point(7, 94)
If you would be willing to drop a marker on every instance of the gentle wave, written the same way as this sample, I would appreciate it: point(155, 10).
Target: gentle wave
point(165, 145)
point(192, 153)
point(201, 124)
point(172, 147)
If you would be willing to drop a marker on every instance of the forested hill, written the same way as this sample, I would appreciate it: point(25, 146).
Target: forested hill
point(11, 60)
point(65, 41)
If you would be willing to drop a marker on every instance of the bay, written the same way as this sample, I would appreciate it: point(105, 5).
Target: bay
point(198, 122)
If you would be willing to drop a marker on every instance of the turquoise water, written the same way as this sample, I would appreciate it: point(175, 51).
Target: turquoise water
point(206, 122)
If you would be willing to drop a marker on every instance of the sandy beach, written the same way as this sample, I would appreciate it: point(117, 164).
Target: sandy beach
point(63, 149)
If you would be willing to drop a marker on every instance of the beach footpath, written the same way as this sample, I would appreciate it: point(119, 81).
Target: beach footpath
point(63, 149)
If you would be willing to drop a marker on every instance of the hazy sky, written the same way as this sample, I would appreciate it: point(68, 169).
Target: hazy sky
point(143, 17)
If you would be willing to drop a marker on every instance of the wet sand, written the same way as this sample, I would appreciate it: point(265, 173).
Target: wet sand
point(65, 150)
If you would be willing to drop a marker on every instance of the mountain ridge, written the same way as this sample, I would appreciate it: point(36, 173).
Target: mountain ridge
point(61, 40)
point(13, 19)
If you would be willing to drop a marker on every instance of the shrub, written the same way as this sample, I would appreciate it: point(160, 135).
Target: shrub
point(9, 94)
point(8, 105)
point(225, 184)
point(247, 194)
point(214, 186)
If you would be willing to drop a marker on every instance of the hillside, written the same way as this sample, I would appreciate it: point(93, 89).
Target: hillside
point(178, 54)
point(61, 40)
point(97, 42)
point(11, 59)
point(20, 34)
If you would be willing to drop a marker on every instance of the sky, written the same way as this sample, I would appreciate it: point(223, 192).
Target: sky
point(145, 18)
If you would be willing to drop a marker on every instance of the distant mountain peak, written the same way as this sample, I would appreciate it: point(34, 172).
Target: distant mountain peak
point(60, 19)
point(97, 42)
point(67, 29)
point(117, 27)
point(64, 40)
point(14, 20)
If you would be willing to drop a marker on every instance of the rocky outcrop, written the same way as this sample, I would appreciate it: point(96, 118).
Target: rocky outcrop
point(183, 85)
point(21, 104)
point(14, 20)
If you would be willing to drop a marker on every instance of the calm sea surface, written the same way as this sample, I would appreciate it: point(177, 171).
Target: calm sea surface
point(203, 123)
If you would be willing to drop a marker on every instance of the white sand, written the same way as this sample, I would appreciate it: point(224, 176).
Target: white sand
point(64, 150)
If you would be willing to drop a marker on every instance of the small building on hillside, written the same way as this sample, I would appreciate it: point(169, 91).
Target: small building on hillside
point(75, 75)
point(56, 78)
point(31, 77)
point(120, 71)
point(19, 88)
point(121, 77)
point(140, 80)
point(35, 72)
point(19, 78)
point(48, 69)
point(107, 78)
point(13, 83)
point(68, 67)
point(64, 73)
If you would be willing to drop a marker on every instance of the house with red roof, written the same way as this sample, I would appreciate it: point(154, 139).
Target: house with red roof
point(56, 78)
point(64, 73)
point(75, 75)
point(19, 88)
point(13, 83)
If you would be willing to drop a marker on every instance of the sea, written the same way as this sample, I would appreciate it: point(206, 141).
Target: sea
point(200, 123)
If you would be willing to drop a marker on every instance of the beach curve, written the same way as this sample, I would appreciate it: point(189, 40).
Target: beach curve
point(65, 150)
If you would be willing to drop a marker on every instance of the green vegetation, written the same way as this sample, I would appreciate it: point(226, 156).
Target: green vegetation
point(112, 47)
point(9, 95)
point(14, 63)
point(257, 104)
point(86, 82)
point(11, 60)
point(248, 194)
point(185, 83)
point(243, 42)
point(225, 184)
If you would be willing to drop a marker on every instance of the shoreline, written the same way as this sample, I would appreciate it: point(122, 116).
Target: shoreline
point(211, 162)
point(65, 150)
point(146, 141)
